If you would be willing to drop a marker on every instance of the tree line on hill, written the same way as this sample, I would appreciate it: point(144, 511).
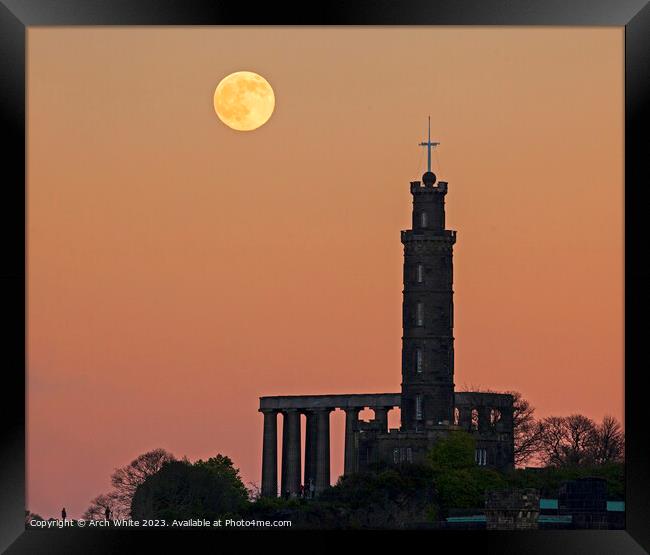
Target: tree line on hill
point(157, 485)
point(557, 441)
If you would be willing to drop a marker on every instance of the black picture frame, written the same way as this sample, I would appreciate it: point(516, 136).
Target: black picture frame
point(17, 15)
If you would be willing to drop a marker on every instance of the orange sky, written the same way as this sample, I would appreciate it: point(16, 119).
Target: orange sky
point(178, 269)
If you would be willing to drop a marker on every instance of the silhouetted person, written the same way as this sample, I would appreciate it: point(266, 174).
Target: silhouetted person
point(63, 513)
point(107, 513)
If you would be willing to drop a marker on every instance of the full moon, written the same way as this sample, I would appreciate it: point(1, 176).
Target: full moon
point(244, 100)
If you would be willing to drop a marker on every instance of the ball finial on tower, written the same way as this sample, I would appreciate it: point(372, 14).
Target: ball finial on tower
point(428, 178)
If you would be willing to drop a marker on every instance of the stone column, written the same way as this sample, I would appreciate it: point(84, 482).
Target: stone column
point(483, 419)
point(310, 453)
point(381, 417)
point(465, 417)
point(351, 427)
point(270, 454)
point(283, 467)
point(322, 449)
point(506, 417)
point(291, 453)
point(509, 445)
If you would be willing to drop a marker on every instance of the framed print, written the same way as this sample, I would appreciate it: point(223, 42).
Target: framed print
point(369, 268)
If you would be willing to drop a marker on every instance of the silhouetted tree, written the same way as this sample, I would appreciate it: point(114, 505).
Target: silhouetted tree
point(181, 490)
point(453, 452)
point(126, 479)
point(223, 467)
point(526, 429)
point(459, 482)
point(609, 446)
point(568, 440)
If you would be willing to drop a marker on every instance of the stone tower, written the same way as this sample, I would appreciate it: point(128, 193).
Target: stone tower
point(430, 409)
point(428, 310)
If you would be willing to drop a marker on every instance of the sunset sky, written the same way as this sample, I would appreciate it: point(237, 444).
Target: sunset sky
point(179, 269)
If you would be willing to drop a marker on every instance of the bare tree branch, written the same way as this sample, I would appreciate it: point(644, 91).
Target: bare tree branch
point(568, 440)
point(610, 441)
point(125, 480)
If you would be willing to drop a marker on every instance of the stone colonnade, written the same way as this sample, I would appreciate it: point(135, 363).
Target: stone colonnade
point(317, 409)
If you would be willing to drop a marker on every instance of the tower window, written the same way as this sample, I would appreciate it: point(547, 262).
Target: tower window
point(420, 273)
point(480, 456)
point(423, 219)
point(418, 360)
point(418, 407)
point(420, 314)
point(456, 416)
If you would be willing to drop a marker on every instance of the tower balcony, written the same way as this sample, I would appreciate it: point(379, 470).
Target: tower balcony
point(409, 235)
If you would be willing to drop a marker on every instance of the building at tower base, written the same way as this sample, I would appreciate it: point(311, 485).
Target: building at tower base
point(486, 416)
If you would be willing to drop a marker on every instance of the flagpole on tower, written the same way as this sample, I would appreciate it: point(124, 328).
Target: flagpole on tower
point(429, 144)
